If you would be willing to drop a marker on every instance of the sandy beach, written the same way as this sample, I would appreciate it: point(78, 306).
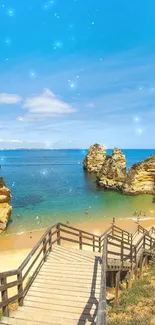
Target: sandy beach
point(14, 248)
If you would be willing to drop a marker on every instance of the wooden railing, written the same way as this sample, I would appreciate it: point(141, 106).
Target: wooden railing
point(126, 251)
point(114, 243)
point(22, 278)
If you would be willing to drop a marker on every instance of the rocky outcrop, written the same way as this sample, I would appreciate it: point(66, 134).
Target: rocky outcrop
point(141, 178)
point(94, 158)
point(5, 208)
point(113, 171)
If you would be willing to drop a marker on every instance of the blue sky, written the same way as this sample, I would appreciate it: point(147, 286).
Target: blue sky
point(75, 72)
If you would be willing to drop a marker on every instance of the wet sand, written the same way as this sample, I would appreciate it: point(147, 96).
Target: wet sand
point(14, 248)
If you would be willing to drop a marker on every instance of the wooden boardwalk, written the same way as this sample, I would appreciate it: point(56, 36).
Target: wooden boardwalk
point(61, 285)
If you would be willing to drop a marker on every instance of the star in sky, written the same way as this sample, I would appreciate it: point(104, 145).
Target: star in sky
point(7, 41)
point(32, 74)
point(57, 45)
point(10, 12)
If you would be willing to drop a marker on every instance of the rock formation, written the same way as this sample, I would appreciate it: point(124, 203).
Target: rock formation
point(112, 173)
point(5, 208)
point(141, 178)
point(94, 158)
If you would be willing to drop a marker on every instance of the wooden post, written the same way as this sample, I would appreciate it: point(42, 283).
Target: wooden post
point(118, 274)
point(50, 240)
point(140, 267)
point(20, 288)
point(44, 249)
point(131, 252)
point(4, 295)
point(112, 229)
point(144, 242)
point(102, 314)
point(93, 243)
point(151, 244)
point(112, 279)
point(58, 234)
point(99, 244)
point(138, 229)
point(136, 266)
point(129, 279)
point(146, 262)
point(122, 250)
point(80, 239)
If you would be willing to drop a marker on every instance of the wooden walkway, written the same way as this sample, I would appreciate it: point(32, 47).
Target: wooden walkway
point(61, 285)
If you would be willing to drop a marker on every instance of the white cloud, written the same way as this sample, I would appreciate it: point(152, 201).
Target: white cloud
point(46, 105)
point(9, 98)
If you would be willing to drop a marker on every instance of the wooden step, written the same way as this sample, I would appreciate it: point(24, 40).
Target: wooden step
point(69, 279)
point(66, 284)
point(38, 317)
point(54, 313)
point(69, 257)
point(59, 296)
point(48, 306)
point(66, 292)
point(14, 321)
point(68, 275)
point(68, 271)
point(77, 254)
point(62, 287)
point(58, 302)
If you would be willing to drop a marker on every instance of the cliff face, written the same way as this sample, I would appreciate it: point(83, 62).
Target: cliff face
point(94, 158)
point(112, 173)
point(5, 208)
point(141, 178)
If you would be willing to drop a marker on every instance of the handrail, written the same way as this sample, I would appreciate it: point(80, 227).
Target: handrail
point(102, 312)
point(38, 255)
point(27, 259)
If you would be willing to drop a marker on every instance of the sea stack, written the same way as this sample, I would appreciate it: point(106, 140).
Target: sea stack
point(94, 158)
point(113, 171)
point(141, 178)
point(5, 208)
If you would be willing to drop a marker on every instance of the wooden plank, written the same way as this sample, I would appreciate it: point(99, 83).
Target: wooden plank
point(62, 308)
point(117, 286)
point(102, 314)
point(15, 321)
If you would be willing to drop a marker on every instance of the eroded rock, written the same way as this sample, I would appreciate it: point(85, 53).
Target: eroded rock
point(141, 178)
point(94, 158)
point(5, 208)
point(113, 171)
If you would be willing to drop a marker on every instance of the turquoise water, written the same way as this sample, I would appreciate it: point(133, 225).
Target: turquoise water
point(50, 185)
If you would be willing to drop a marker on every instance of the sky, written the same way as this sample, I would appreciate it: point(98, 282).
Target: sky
point(77, 72)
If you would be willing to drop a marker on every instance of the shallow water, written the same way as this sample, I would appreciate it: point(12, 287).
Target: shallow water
point(50, 185)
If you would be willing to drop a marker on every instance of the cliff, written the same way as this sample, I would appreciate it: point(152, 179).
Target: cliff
point(112, 173)
point(94, 158)
point(141, 178)
point(5, 208)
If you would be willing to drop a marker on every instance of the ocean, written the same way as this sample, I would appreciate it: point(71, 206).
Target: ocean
point(50, 185)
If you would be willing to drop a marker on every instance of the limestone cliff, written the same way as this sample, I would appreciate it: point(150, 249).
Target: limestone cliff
point(141, 177)
point(112, 173)
point(5, 208)
point(94, 158)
